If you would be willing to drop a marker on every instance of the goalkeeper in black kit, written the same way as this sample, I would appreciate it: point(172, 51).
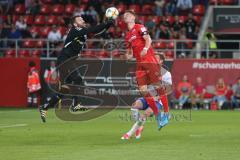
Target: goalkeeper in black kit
point(73, 46)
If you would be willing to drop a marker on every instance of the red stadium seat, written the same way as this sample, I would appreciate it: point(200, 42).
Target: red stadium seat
point(28, 19)
point(213, 2)
point(62, 30)
point(61, 20)
point(69, 9)
point(40, 20)
point(85, 1)
point(182, 19)
point(169, 54)
point(34, 29)
point(121, 24)
point(44, 31)
point(40, 44)
point(58, 9)
point(160, 45)
point(103, 54)
point(45, 9)
point(10, 53)
point(198, 19)
point(116, 54)
point(142, 19)
point(156, 19)
point(189, 43)
point(23, 53)
point(47, 1)
point(135, 8)
point(87, 54)
point(15, 18)
point(170, 45)
point(147, 9)
point(3, 17)
point(36, 53)
point(82, 6)
point(198, 10)
point(52, 20)
point(28, 43)
point(170, 19)
point(20, 9)
point(227, 2)
point(121, 7)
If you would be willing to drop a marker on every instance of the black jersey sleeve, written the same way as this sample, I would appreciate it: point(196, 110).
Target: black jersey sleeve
point(98, 29)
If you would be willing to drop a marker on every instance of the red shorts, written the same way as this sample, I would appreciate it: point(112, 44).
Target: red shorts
point(148, 71)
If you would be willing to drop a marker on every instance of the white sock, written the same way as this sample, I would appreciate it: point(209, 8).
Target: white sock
point(135, 114)
point(133, 129)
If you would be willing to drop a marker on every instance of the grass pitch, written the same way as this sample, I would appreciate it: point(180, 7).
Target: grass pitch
point(206, 135)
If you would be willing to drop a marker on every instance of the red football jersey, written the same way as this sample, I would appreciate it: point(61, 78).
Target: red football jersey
point(134, 40)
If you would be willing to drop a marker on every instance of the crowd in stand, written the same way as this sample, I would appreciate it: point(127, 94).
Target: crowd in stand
point(199, 96)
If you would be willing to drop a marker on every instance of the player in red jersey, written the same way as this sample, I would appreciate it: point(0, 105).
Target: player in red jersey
point(148, 69)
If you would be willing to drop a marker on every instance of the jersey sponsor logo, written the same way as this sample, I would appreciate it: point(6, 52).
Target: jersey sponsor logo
point(143, 29)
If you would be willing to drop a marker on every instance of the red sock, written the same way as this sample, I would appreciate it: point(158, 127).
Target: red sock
point(151, 102)
point(164, 101)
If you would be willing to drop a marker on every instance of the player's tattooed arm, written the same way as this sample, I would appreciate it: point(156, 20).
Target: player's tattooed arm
point(148, 42)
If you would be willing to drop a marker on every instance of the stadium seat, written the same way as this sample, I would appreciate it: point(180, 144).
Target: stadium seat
point(198, 19)
point(121, 8)
point(44, 31)
point(135, 8)
point(170, 19)
point(156, 19)
point(160, 45)
point(10, 53)
point(102, 54)
point(198, 10)
point(40, 20)
point(169, 54)
point(85, 1)
point(61, 20)
point(69, 9)
point(23, 53)
point(82, 6)
point(182, 19)
point(28, 19)
point(28, 43)
point(142, 19)
point(58, 9)
point(34, 29)
point(189, 43)
point(62, 30)
point(36, 53)
point(45, 9)
point(40, 44)
point(116, 54)
point(147, 9)
point(170, 45)
point(213, 2)
point(15, 18)
point(227, 2)
point(87, 54)
point(20, 9)
point(122, 25)
point(47, 1)
point(52, 20)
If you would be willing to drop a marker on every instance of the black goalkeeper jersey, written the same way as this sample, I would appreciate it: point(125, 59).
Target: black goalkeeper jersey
point(76, 40)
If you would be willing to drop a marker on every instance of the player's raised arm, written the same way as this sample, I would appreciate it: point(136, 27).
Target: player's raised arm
point(99, 29)
point(148, 42)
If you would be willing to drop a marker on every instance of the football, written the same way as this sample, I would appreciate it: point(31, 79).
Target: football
point(112, 12)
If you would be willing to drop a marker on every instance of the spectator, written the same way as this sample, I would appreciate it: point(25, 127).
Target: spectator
point(177, 26)
point(184, 88)
point(184, 5)
point(14, 34)
point(182, 47)
point(236, 94)
point(159, 7)
point(149, 23)
point(54, 36)
point(92, 16)
point(34, 7)
point(21, 24)
point(190, 26)
point(170, 7)
point(162, 32)
point(198, 94)
point(164, 22)
point(220, 93)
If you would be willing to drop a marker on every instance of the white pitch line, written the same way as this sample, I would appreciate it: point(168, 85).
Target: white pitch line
point(13, 125)
point(196, 135)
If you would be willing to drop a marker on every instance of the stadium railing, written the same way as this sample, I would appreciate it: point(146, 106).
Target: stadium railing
point(112, 48)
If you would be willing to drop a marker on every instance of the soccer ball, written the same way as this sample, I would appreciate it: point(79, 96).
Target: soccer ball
point(112, 12)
